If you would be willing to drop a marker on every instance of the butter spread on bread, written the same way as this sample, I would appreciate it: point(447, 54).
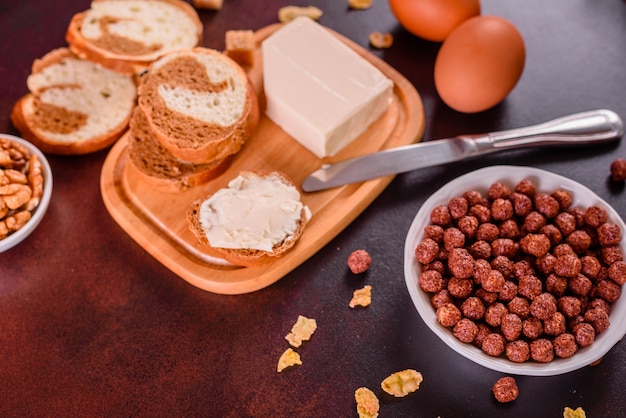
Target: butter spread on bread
point(74, 106)
point(200, 104)
point(127, 35)
point(320, 91)
point(257, 217)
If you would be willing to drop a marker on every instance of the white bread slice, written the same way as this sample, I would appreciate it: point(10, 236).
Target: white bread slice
point(256, 219)
point(158, 167)
point(200, 104)
point(127, 35)
point(74, 106)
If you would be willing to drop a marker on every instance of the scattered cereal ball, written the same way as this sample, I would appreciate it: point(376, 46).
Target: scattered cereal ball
point(367, 404)
point(505, 389)
point(359, 261)
point(301, 331)
point(287, 359)
point(618, 170)
point(574, 413)
point(402, 383)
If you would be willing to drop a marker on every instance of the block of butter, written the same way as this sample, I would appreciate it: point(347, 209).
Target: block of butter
point(318, 90)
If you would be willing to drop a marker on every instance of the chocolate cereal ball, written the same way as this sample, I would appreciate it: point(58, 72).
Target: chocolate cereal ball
point(618, 170)
point(511, 327)
point(517, 351)
point(458, 207)
point(584, 333)
point(448, 315)
point(532, 328)
point(541, 350)
point(609, 234)
point(359, 261)
point(595, 216)
point(465, 330)
point(543, 306)
point(505, 390)
point(460, 263)
point(473, 308)
point(563, 197)
point(546, 205)
point(494, 314)
point(493, 344)
point(526, 187)
point(430, 281)
point(565, 345)
point(427, 251)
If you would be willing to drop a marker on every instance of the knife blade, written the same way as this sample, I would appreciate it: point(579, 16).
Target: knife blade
point(585, 128)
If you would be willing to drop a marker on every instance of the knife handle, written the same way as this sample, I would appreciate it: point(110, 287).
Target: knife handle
point(590, 127)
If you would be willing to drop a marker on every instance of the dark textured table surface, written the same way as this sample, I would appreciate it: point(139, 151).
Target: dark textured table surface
point(92, 325)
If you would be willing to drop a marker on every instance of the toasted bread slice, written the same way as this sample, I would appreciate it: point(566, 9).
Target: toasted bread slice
point(74, 106)
point(127, 35)
point(158, 167)
point(256, 219)
point(200, 104)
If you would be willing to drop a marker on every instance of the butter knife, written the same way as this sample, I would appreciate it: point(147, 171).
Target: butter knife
point(592, 127)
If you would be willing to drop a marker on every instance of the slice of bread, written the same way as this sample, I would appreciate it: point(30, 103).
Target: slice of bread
point(74, 106)
point(254, 220)
point(200, 104)
point(158, 167)
point(127, 35)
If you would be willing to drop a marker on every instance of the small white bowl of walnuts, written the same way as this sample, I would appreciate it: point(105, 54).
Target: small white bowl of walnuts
point(25, 189)
point(519, 270)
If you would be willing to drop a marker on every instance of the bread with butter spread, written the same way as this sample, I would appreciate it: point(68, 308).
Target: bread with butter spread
point(200, 104)
point(74, 106)
point(127, 35)
point(256, 219)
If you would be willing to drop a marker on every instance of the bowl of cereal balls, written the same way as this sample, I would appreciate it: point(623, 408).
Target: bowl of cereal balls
point(25, 189)
point(519, 270)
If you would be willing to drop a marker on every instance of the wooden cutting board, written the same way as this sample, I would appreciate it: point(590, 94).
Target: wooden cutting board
point(156, 219)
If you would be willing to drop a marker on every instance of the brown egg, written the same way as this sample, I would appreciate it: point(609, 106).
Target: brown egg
point(433, 19)
point(479, 63)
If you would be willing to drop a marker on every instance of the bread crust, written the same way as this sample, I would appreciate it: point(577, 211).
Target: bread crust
point(123, 63)
point(246, 257)
point(186, 137)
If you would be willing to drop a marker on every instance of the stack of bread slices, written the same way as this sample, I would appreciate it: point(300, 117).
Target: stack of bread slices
point(196, 108)
point(81, 97)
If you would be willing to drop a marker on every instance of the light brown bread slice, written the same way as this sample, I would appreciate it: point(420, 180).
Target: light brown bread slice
point(158, 167)
point(256, 219)
point(127, 35)
point(200, 104)
point(74, 106)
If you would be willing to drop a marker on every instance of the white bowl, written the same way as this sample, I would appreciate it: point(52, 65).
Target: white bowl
point(18, 236)
point(480, 180)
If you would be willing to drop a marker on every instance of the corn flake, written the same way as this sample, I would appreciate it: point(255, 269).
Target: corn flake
point(362, 297)
point(360, 4)
point(367, 404)
point(301, 331)
point(381, 40)
point(402, 383)
point(574, 413)
point(287, 359)
point(289, 13)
